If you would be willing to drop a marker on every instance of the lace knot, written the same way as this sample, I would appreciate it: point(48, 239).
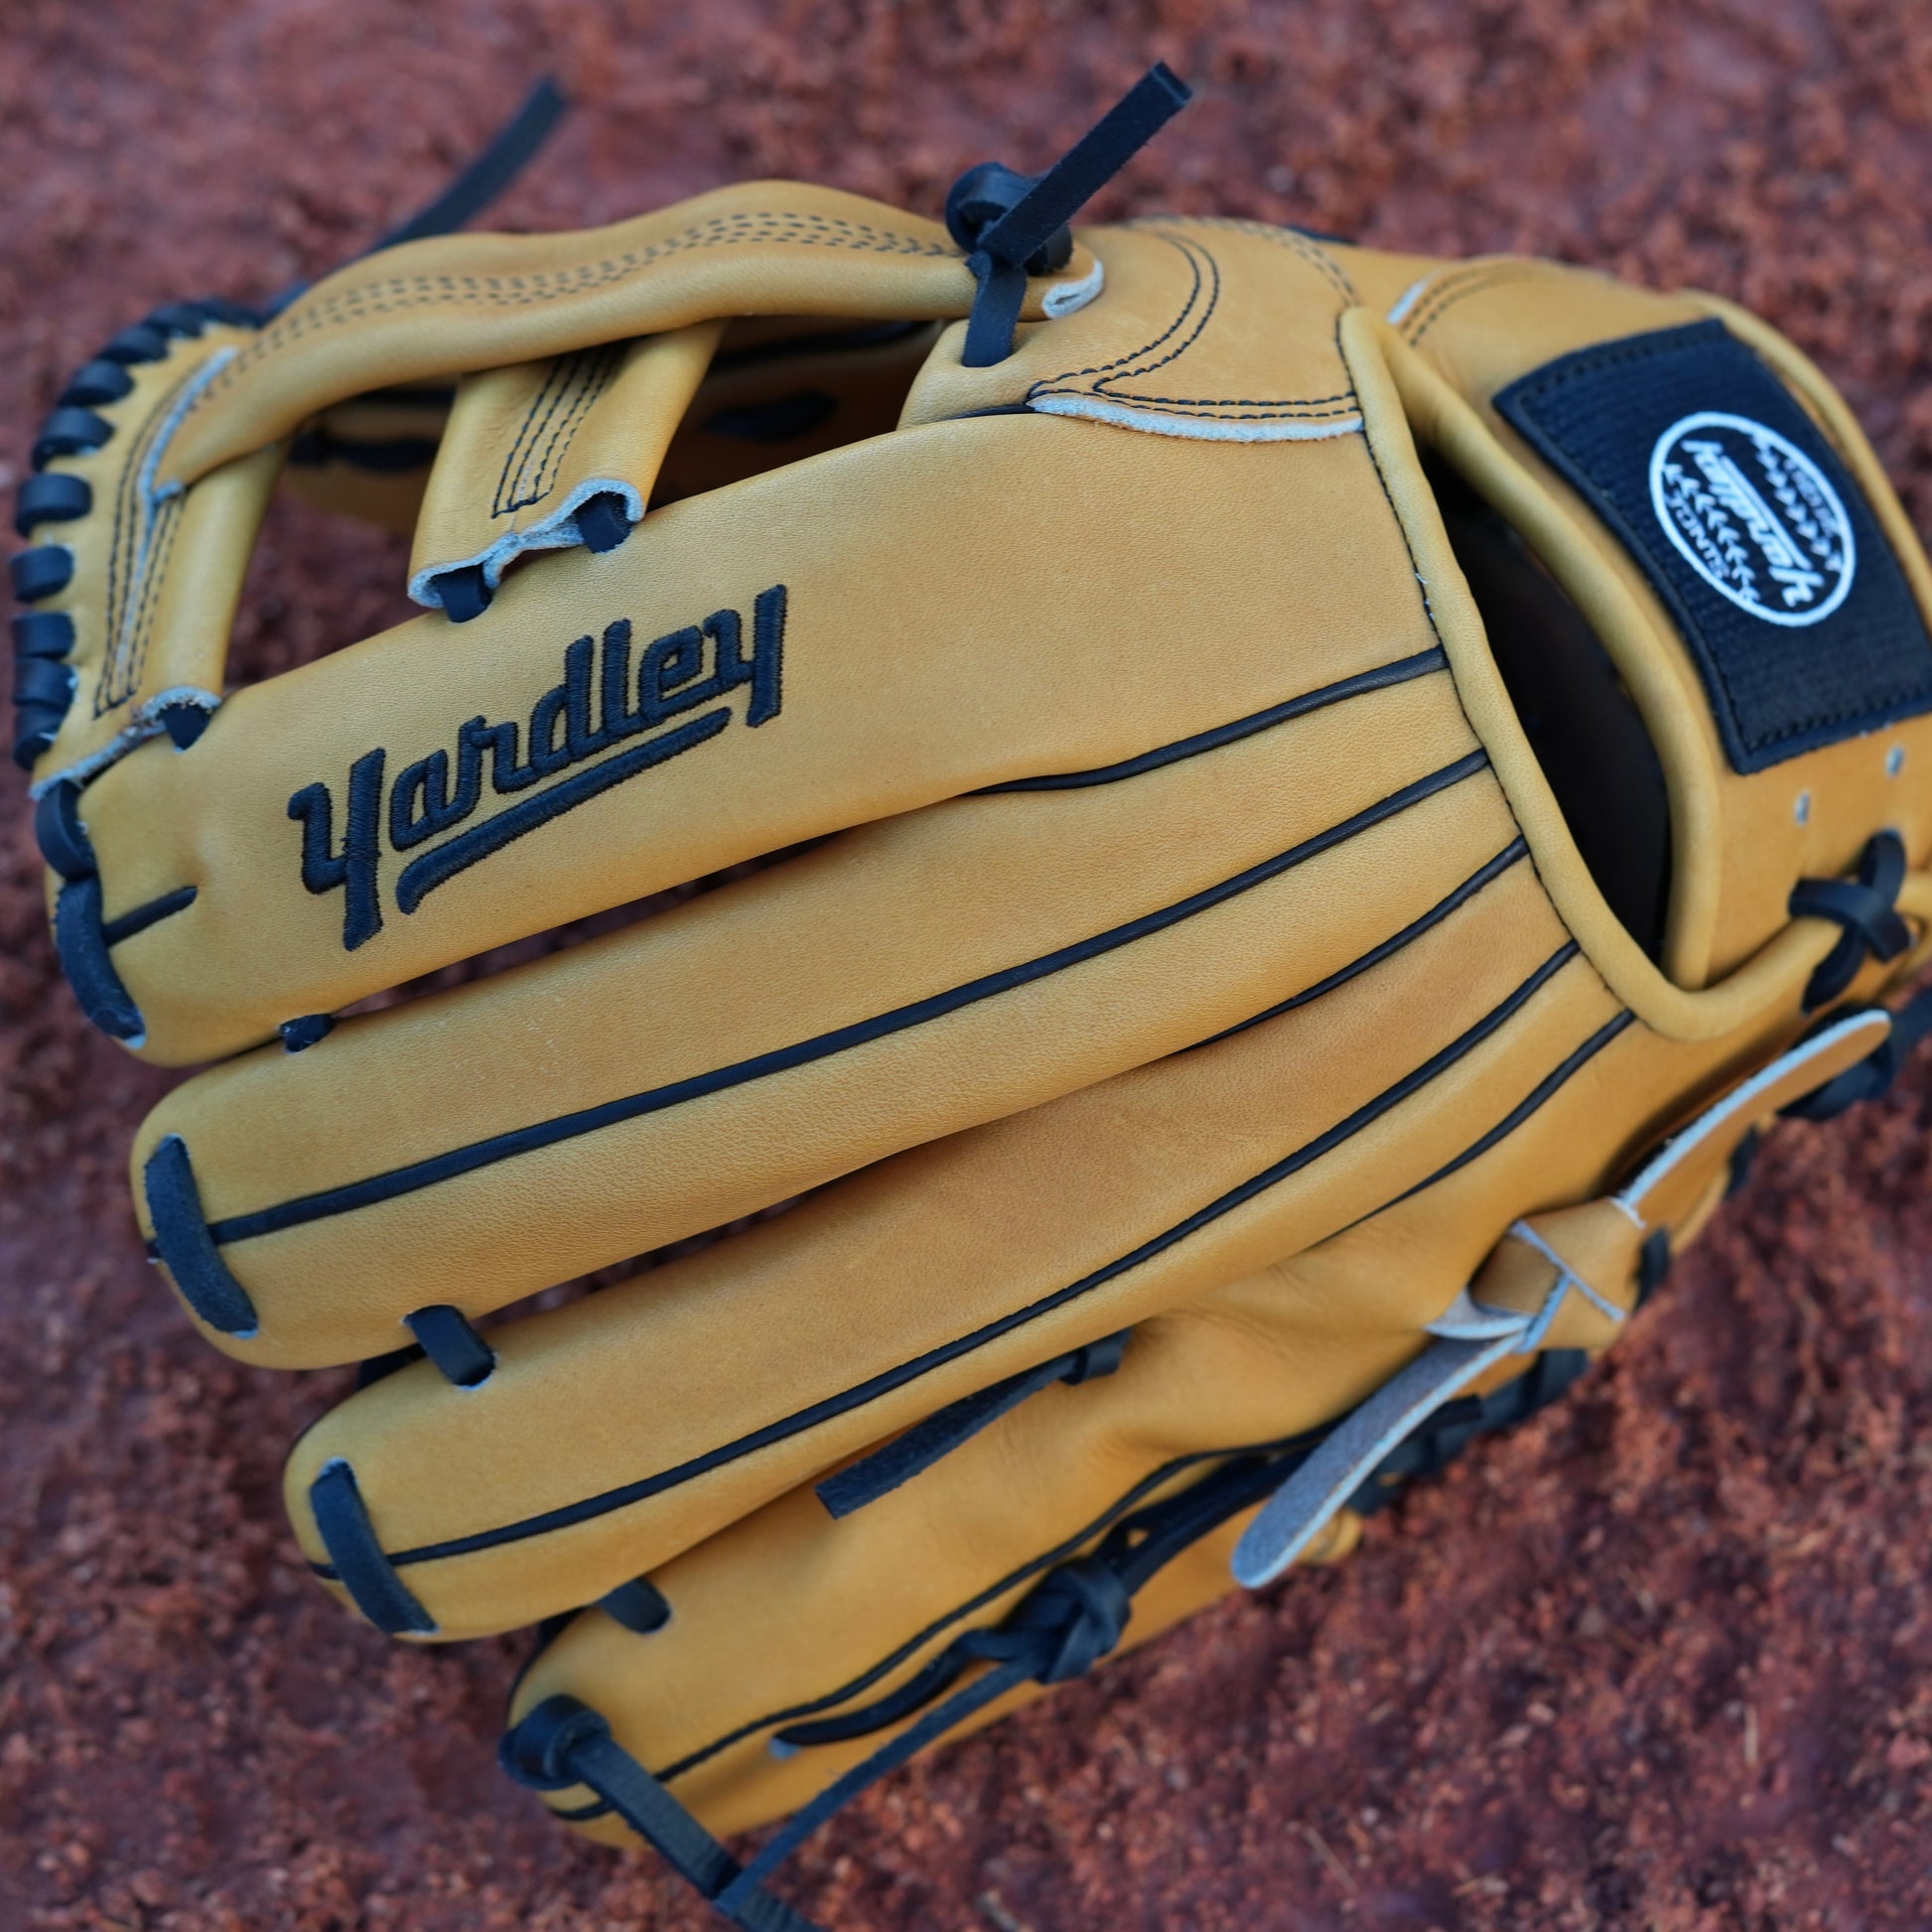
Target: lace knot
point(1864, 910)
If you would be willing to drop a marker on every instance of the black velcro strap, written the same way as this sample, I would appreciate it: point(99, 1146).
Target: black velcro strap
point(83, 950)
point(361, 1564)
point(564, 1742)
point(1750, 526)
point(185, 1246)
point(447, 1339)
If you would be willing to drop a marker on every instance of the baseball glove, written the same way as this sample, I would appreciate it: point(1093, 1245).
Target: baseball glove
point(1242, 832)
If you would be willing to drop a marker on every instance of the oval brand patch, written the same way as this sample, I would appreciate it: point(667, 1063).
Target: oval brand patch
point(1753, 517)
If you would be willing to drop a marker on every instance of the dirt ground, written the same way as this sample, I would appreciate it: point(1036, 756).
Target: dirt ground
point(1661, 1659)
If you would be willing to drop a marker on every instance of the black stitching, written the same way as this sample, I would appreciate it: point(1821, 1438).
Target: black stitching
point(1381, 678)
point(140, 918)
point(587, 1508)
point(865, 1679)
point(344, 306)
point(1545, 1090)
point(544, 1134)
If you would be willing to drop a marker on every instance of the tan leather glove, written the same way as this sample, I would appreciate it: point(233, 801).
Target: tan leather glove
point(1285, 775)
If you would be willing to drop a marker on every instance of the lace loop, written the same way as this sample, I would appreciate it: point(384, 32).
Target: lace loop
point(1013, 224)
point(1864, 910)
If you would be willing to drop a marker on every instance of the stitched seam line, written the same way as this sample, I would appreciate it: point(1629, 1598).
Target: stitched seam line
point(590, 379)
point(1227, 410)
point(123, 549)
point(1122, 363)
point(1311, 251)
point(529, 1139)
point(160, 554)
point(1104, 386)
point(397, 293)
point(855, 1687)
point(589, 1509)
point(542, 404)
point(1477, 282)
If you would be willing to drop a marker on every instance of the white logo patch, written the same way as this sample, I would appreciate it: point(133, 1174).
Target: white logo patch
point(1753, 517)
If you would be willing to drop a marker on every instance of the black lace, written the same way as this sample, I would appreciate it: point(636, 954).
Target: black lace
point(1071, 1619)
point(1013, 226)
point(1863, 909)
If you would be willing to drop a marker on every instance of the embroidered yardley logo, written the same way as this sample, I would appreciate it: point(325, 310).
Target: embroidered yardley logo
point(599, 704)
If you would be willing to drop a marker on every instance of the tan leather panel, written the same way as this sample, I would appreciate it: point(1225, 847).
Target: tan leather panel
point(1484, 323)
point(731, 1654)
point(892, 914)
point(1187, 339)
point(524, 442)
point(459, 302)
point(925, 1248)
point(1021, 645)
point(155, 580)
point(1224, 1374)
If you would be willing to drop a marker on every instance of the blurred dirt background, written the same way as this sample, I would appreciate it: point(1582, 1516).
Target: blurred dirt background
point(1663, 1659)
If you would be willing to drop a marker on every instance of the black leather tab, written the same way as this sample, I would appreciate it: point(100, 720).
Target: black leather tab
point(40, 572)
point(63, 839)
point(361, 1564)
point(1750, 526)
point(185, 1247)
point(42, 633)
point(445, 1336)
point(43, 681)
point(52, 497)
point(138, 343)
point(639, 1605)
point(82, 948)
point(94, 383)
point(69, 432)
point(34, 727)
